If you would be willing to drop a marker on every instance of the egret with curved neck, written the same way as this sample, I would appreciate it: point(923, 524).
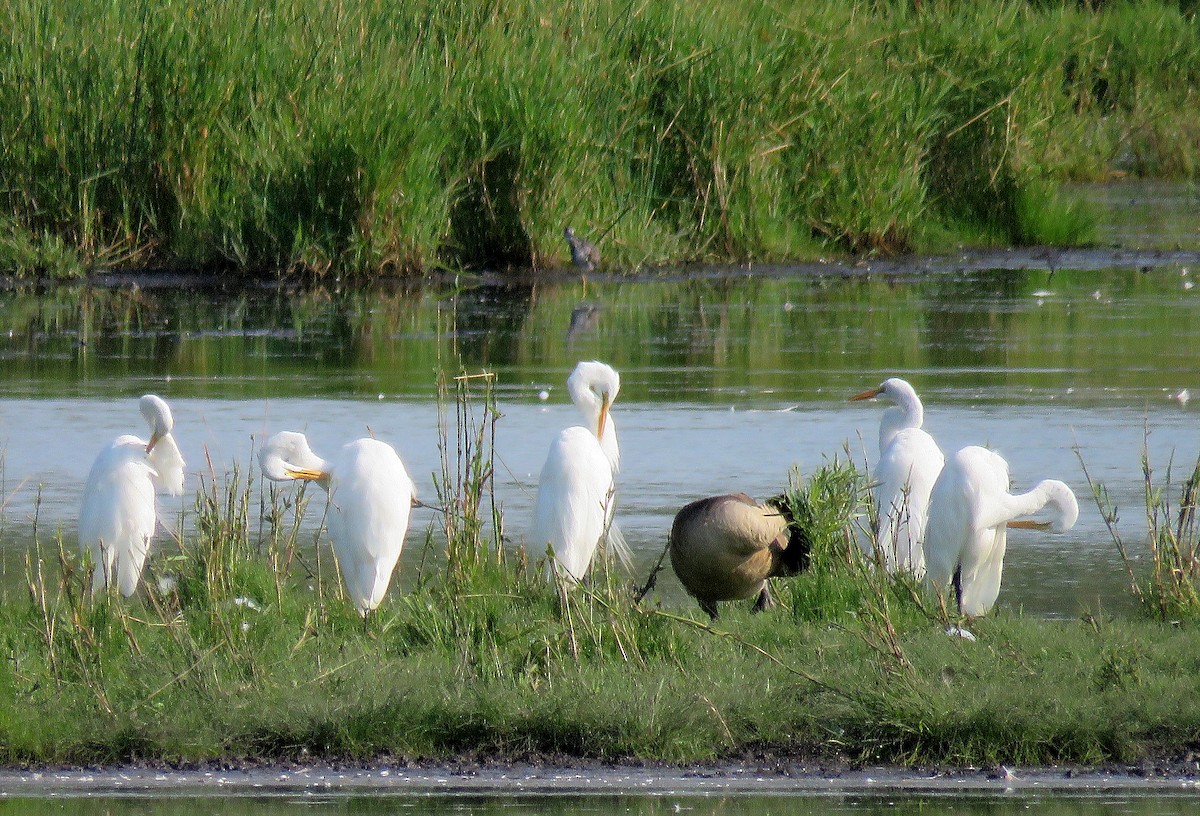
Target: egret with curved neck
point(909, 463)
point(970, 512)
point(118, 515)
point(575, 501)
point(370, 496)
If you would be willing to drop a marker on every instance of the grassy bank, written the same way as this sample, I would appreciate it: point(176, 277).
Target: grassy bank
point(389, 136)
point(251, 652)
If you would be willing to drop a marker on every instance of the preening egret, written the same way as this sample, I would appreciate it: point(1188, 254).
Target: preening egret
point(370, 496)
point(724, 548)
point(909, 464)
point(575, 491)
point(117, 517)
point(969, 513)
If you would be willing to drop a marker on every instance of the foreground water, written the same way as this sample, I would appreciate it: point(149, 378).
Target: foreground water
point(729, 379)
point(596, 790)
point(725, 386)
point(1104, 804)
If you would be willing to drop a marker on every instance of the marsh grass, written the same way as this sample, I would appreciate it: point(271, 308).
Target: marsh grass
point(472, 519)
point(392, 137)
point(252, 653)
point(1165, 575)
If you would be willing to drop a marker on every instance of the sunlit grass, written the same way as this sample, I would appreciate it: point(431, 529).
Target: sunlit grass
point(396, 137)
point(1164, 568)
point(250, 651)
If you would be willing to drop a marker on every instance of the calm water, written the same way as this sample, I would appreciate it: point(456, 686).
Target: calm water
point(727, 382)
point(866, 804)
point(596, 790)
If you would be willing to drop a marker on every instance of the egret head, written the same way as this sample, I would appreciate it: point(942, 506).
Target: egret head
point(286, 456)
point(157, 414)
point(594, 387)
point(1066, 509)
point(893, 388)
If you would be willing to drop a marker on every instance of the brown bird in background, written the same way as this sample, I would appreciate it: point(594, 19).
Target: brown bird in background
point(724, 548)
point(584, 253)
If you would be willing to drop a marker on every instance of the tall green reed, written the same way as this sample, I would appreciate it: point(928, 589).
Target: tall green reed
point(388, 137)
point(472, 519)
point(1167, 582)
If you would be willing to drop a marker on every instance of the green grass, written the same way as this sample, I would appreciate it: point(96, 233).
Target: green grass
point(484, 659)
point(388, 137)
point(501, 666)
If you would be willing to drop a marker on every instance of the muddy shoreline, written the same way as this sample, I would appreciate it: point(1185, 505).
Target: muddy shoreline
point(589, 778)
point(1046, 259)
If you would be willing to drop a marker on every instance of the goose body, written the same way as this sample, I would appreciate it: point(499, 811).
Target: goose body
point(724, 548)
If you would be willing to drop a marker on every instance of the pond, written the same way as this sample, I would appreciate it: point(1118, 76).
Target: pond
point(729, 379)
point(544, 805)
point(596, 790)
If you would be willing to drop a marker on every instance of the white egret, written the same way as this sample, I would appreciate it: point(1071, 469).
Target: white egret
point(118, 516)
point(909, 464)
point(969, 513)
point(370, 496)
point(724, 548)
point(576, 489)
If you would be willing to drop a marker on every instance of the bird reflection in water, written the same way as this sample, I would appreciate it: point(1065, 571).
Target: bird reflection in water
point(584, 319)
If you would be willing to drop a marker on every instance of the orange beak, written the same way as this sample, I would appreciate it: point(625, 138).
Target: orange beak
point(870, 394)
point(603, 417)
point(153, 441)
point(1029, 524)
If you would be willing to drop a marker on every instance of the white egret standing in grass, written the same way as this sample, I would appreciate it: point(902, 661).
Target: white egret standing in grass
point(117, 517)
point(575, 491)
point(969, 513)
point(909, 464)
point(370, 496)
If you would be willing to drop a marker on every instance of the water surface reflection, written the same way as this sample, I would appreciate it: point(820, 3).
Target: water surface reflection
point(726, 383)
point(865, 804)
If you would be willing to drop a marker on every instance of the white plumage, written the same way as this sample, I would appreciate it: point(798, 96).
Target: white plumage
point(118, 515)
point(370, 497)
point(576, 488)
point(969, 513)
point(909, 464)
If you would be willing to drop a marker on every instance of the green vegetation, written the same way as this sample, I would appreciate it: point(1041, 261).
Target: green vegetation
point(1170, 589)
point(252, 653)
point(394, 136)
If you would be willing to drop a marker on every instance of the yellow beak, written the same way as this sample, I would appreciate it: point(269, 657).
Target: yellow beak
point(306, 474)
point(603, 417)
